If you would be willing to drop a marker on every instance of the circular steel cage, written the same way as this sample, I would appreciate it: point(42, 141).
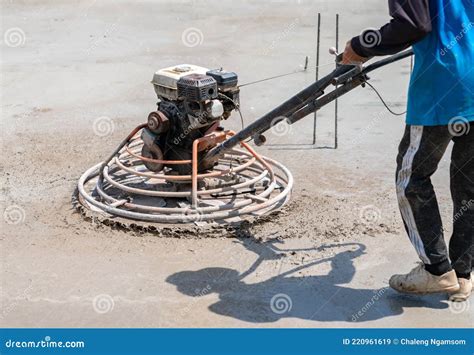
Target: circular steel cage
point(242, 184)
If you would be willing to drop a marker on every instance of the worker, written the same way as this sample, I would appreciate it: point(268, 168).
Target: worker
point(440, 110)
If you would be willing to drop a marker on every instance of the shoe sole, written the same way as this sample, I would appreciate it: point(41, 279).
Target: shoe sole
point(450, 289)
point(458, 298)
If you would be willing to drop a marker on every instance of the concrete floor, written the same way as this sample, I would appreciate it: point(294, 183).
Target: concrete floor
point(323, 263)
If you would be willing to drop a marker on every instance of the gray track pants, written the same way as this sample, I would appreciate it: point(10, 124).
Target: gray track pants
point(420, 151)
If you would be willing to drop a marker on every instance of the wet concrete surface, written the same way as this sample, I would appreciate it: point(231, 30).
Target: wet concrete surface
point(78, 82)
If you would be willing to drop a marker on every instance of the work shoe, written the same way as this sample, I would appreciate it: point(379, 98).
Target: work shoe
point(420, 281)
point(465, 289)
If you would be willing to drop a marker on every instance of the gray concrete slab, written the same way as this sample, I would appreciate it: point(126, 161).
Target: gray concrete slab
point(324, 263)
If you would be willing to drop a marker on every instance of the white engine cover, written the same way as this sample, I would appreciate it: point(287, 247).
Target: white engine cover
point(165, 80)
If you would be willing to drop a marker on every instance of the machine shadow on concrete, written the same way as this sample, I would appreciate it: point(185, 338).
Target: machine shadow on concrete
point(322, 298)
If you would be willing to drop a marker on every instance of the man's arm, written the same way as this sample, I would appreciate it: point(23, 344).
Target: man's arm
point(410, 22)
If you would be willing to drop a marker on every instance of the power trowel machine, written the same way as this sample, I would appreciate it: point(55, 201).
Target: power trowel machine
point(182, 166)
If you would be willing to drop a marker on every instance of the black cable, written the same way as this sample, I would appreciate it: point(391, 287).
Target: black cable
point(241, 117)
point(237, 107)
point(383, 101)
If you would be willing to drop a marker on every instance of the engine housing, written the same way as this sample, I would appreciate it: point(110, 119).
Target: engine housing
point(192, 101)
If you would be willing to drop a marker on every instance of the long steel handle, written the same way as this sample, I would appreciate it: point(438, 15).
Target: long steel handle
point(304, 103)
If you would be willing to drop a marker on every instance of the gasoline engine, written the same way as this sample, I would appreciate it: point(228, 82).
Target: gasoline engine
point(192, 101)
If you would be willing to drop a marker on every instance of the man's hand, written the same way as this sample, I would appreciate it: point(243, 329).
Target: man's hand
point(352, 58)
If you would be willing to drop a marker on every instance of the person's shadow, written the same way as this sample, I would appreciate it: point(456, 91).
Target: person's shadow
point(320, 298)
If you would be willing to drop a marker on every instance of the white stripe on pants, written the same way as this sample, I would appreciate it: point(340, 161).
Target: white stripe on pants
point(403, 179)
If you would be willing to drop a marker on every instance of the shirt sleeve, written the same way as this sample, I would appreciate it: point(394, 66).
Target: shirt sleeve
point(411, 21)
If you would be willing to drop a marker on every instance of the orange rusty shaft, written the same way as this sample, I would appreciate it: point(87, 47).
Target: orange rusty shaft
point(122, 144)
point(200, 144)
